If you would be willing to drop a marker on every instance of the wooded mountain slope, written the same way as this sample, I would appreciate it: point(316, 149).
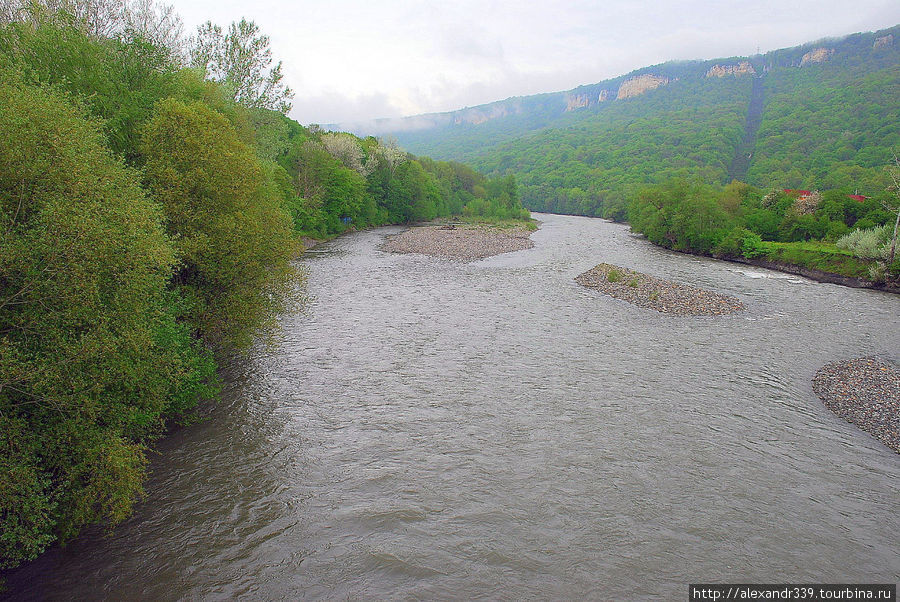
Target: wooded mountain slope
point(826, 116)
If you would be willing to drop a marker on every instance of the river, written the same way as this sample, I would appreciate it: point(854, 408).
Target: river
point(428, 429)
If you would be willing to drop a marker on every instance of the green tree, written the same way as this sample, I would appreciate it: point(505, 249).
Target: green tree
point(118, 81)
point(241, 59)
point(682, 215)
point(232, 234)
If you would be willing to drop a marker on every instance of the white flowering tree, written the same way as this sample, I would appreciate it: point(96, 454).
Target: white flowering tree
point(389, 149)
point(346, 149)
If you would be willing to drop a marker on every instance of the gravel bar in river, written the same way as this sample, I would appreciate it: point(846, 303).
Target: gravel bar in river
point(661, 295)
point(866, 392)
point(466, 242)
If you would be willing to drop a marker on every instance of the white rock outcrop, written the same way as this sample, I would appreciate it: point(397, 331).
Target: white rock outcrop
point(640, 84)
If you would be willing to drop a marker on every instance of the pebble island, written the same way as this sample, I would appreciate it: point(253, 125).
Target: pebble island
point(465, 242)
point(654, 293)
point(865, 392)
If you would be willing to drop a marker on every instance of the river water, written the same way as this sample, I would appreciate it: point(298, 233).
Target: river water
point(437, 430)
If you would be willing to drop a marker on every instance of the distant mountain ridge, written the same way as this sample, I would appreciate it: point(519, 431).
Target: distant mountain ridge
point(624, 86)
point(826, 115)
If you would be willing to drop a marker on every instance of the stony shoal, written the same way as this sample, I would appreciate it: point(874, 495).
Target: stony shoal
point(654, 293)
point(465, 243)
point(865, 392)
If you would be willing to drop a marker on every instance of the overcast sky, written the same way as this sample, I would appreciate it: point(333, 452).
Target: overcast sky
point(354, 60)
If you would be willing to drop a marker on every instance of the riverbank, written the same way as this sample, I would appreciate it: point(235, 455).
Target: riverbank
point(460, 241)
point(309, 242)
point(780, 265)
point(865, 392)
point(817, 275)
point(657, 294)
point(809, 260)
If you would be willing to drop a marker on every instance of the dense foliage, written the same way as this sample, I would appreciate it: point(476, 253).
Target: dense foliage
point(344, 182)
point(740, 221)
point(148, 221)
point(92, 355)
point(828, 126)
point(825, 125)
point(229, 229)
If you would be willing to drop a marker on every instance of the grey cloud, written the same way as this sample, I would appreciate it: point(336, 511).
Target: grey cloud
point(333, 107)
point(467, 42)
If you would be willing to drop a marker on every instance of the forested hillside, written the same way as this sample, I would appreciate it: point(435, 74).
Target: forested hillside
point(829, 117)
point(153, 198)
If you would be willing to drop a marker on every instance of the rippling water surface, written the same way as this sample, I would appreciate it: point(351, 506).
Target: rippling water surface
point(430, 429)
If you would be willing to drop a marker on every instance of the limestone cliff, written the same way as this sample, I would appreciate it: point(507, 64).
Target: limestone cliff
point(639, 84)
point(577, 101)
point(819, 55)
point(742, 68)
point(884, 41)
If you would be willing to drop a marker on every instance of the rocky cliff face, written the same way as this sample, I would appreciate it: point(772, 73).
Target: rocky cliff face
point(884, 41)
point(580, 101)
point(577, 101)
point(472, 117)
point(742, 68)
point(639, 84)
point(819, 55)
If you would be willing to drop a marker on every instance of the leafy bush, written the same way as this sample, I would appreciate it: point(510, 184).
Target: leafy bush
point(614, 276)
point(682, 215)
point(836, 230)
point(730, 245)
point(740, 242)
point(795, 227)
point(117, 81)
point(870, 243)
point(234, 239)
point(894, 268)
point(752, 246)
